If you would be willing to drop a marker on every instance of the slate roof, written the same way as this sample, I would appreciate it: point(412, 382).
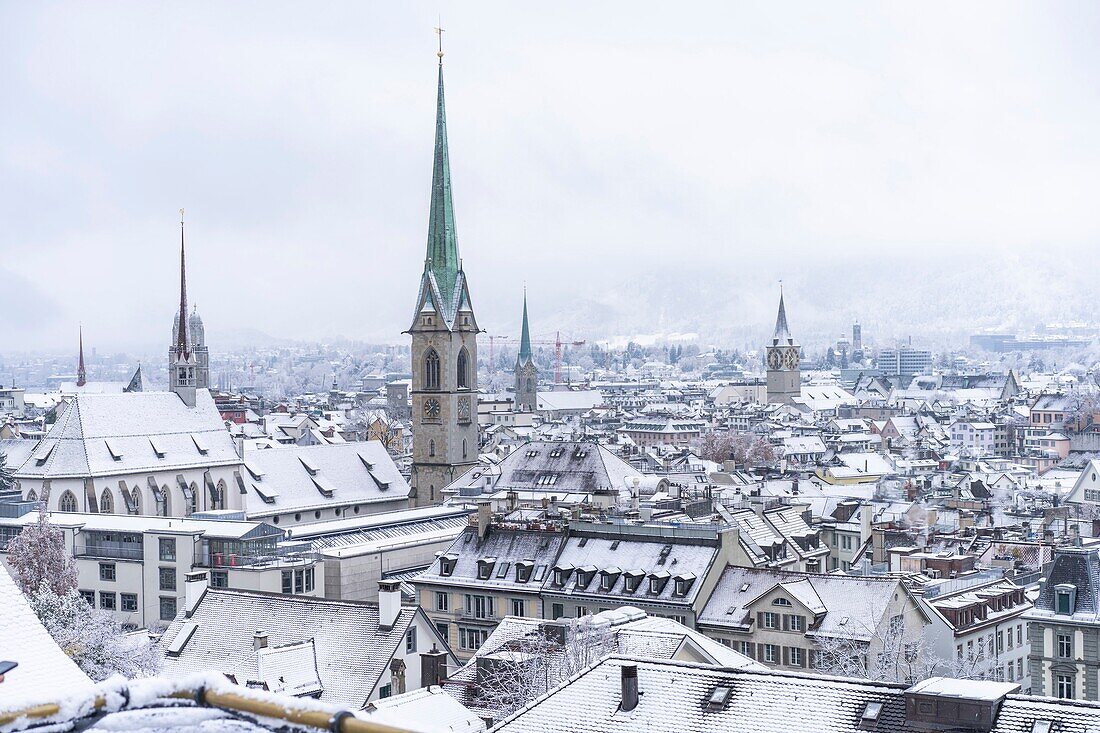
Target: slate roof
point(674, 697)
point(1078, 567)
point(846, 606)
point(296, 478)
point(560, 466)
point(506, 547)
point(351, 652)
point(621, 554)
point(121, 434)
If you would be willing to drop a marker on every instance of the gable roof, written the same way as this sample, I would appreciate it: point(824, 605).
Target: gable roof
point(120, 434)
point(351, 652)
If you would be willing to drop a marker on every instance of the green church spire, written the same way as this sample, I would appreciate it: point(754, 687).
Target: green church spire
point(525, 334)
point(442, 241)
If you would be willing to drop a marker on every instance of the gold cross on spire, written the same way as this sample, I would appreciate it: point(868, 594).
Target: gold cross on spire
point(181, 216)
point(439, 32)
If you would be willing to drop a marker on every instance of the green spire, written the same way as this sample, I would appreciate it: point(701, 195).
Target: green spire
point(442, 242)
point(525, 334)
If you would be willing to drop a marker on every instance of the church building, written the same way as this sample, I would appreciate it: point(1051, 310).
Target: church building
point(527, 374)
point(784, 359)
point(444, 345)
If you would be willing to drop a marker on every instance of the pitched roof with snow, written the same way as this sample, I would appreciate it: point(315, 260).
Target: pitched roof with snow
point(350, 652)
point(502, 552)
point(135, 432)
point(294, 478)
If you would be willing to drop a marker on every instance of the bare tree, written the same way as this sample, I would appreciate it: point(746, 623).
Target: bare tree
point(521, 669)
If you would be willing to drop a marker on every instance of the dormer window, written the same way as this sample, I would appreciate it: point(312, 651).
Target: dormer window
point(485, 567)
point(683, 584)
point(657, 582)
point(1065, 599)
point(561, 574)
point(585, 576)
point(608, 578)
point(633, 580)
point(447, 564)
point(523, 571)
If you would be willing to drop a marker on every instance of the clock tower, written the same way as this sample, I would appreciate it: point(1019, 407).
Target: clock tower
point(784, 361)
point(444, 345)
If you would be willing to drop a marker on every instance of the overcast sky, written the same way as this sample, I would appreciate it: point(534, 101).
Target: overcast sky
point(593, 149)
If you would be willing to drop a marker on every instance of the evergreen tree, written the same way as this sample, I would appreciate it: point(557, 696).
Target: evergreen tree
point(7, 475)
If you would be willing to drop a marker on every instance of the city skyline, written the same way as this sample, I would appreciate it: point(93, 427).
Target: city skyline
point(871, 164)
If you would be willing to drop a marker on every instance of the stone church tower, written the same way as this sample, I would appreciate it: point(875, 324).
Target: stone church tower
point(188, 357)
point(784, 361)
point(444, 345)
point(527, 374)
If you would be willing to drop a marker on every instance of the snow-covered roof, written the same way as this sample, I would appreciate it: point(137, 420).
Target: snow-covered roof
point(44, 670)
point(352, 652)
point(298, 478)
point(135, 432)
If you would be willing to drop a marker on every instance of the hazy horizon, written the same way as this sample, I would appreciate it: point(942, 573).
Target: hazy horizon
point(642, 170)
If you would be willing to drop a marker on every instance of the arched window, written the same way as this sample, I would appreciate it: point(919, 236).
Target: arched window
point(431, 448)
point(135, 496)
point(164, 505)
point(67, 502)
point(431, 370)
point(194, 503)
point(530, 385)
point(463, 447)
point(106, 502)
point(219, 502)
point(463, 369)
point(32, 496)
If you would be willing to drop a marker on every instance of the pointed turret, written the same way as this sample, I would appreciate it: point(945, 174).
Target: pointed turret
point(782, 333)
point(525, 334)
point(442, 240)
point(183, 346)
point(81, 375)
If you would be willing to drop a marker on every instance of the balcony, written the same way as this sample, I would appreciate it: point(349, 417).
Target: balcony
point(276, 558)
point(111, 550)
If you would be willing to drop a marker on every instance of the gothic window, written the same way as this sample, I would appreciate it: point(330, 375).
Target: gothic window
point(194, 500)
point(136, 496)
point(431, 370)
point(67, 502)
point(530, 385)
point(431, 448)
point(164, 506)
point(32, 496)
point(219, 503)
point(463, 369)
point(106, 502)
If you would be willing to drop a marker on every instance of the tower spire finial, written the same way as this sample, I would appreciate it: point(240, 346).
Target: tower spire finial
point(81, 375)
point(439, 32)
point(183, 347)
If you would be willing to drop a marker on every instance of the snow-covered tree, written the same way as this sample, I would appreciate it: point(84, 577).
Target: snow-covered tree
point(522, 669)
point(38, 555)
point(7, 476)
point(93, 639)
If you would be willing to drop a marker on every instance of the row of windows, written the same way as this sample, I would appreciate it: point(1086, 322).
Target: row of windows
point(432, 371)
point(132, 499)
point(298, 581)
point(128, 602)
point(337, 512)
point(785, 621)
point(1005, 639)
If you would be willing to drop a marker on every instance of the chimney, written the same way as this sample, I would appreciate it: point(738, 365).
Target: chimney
point(865, 523)
point(433, 667)
point(397, 676)
point(630, 687)
point(194, 588)
point(484, 517)
point(259, 640)
point(389, 603)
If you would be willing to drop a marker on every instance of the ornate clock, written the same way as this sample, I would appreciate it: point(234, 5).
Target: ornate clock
point(774, 358)
point(464, 409)
point(431, 408)
point(791, 358)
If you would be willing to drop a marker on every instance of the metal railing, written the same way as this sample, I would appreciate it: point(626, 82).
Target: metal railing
point(112, 550)
point(278, 558)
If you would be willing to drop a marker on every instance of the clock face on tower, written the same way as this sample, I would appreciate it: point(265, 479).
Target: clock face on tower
point(431, 408)
point(774, 359)
point(464, 409)
point(791, 358)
